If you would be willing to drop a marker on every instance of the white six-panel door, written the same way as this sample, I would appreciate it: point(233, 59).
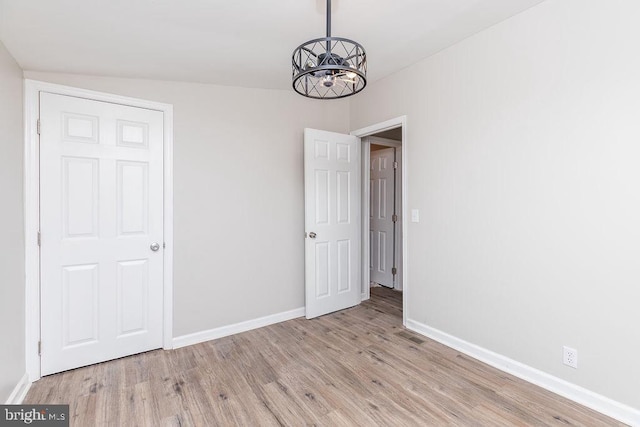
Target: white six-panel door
point(101, 210)
point(381, 211)
point(332, 221)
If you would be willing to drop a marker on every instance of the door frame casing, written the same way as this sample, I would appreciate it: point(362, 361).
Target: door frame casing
point(366, 158)
point(32, 89)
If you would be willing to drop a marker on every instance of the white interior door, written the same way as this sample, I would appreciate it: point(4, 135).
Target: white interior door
point(381, 221)
point(332, 221)
point(101, 215)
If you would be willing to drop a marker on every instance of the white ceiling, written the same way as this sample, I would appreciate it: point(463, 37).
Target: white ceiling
point(231, 42)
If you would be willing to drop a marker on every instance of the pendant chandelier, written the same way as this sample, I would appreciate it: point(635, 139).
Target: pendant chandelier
point(329, 67)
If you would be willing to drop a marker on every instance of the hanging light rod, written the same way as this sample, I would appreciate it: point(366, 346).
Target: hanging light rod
point(329, 67)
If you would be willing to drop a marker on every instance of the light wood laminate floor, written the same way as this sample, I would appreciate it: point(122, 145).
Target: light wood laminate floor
point(357, 367)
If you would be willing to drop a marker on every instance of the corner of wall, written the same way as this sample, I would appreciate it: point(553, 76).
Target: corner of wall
point(597, 402)
point(19, 391)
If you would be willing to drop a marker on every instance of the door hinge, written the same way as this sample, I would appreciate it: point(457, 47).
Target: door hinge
point(394, 271)
point(38, 126)
point(394, 218)
point(39, 239)
point(395, 165)
point(39, 348)
point(164, 245)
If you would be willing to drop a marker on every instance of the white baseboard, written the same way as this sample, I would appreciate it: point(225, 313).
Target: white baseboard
point(364, 296)
point(602, 404)
point(236, 328)
point(20, 391)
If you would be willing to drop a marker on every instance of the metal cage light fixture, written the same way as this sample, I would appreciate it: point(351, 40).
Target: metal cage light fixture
point(329, 67)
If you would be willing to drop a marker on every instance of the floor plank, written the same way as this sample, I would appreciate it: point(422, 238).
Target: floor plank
point(351, 368)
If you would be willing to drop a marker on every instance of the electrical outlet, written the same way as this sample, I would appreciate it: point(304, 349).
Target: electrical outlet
point(570, 357)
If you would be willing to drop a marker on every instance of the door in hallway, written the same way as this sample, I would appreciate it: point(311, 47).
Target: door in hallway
point(382, 216)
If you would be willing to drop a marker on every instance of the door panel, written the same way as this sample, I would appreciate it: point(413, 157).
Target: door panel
point(344, 266)
point(381, 216)
point(133, 198)
point(80, 304)
point(133, 294)
point(332, 212)
point(79, 197)
point(101, 207)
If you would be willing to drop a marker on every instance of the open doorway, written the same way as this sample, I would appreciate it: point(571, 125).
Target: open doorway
point(385, 217)
point(383, 193)
point(385, 209)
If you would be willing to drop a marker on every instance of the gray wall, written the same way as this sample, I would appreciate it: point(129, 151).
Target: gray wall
point(12, 366)
point(238, 194)
point(523, 155)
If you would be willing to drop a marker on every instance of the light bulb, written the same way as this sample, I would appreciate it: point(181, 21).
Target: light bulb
point(351, 75)
point(328, 81)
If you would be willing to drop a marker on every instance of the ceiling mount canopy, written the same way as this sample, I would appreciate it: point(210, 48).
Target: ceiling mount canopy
point(329, 67)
